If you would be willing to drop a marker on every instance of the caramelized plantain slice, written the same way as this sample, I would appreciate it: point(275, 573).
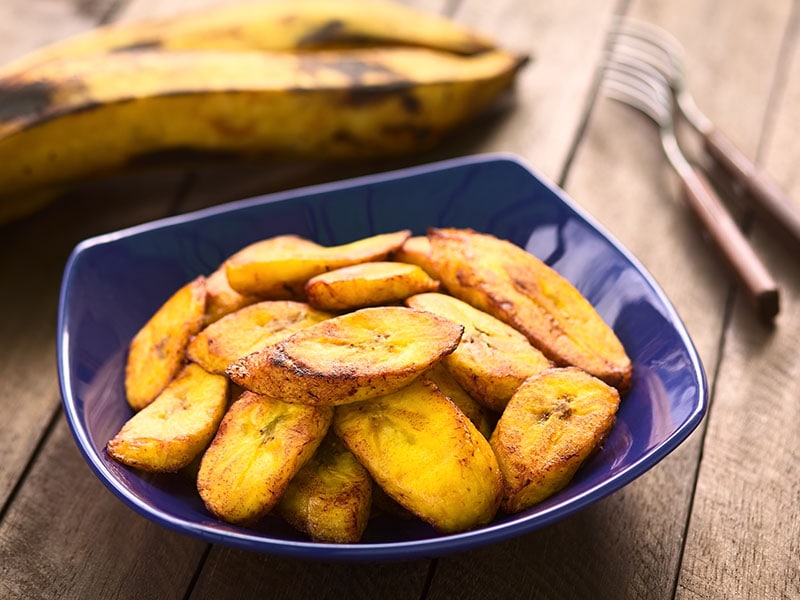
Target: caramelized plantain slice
point(492, 359)
point(447, 384)
point(425, 454)
point(367, 284)
point(279, 268)
point(250, 329)
point(170, 432)
point(516, 287)
point(158, 351)
point(552, 424)
point(416, 250)
point(330, 497)
point(222, 298)
point(260, 445)
point(352, 357)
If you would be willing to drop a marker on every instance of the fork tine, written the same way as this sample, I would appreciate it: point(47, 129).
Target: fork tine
point(639, 84)
point(650, 42)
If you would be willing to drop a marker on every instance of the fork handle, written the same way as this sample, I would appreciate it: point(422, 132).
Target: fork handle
point(761, 289)
point(768, 197)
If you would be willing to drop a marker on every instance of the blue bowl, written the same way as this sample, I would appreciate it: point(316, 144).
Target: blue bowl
point(114, 282)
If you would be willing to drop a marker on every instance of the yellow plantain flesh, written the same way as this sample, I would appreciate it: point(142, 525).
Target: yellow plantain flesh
point(248, 330)
point(158, 350)
point(554, 422)
point(425, 454)
point(330, 498)
point(260, 445)
point(511, 284)
point(367, 284)
point(279, 268)
point(356, 356)
point(492, 359)
point(170, 432)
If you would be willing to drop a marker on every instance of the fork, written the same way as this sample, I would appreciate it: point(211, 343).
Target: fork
point(652, 44)
point(640, 85)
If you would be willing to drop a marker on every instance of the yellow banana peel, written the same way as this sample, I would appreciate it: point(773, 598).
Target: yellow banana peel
point(305, 79)
point(286, 25)
point(78, 117)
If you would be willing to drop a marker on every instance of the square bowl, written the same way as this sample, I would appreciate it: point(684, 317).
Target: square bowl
point(113, 283)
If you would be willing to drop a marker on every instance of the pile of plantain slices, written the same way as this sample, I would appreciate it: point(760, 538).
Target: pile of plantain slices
point(444, 377)
point(296, 79)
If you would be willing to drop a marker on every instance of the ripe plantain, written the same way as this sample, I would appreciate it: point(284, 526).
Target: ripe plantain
point(158, 350)
point(279, 267)
point(331, 496)
point(260, 445)
point(511, 284)
point(297, 25)
point(221, 298)
point(170, 432)
point(248, 330)
point(367, 284)
point(425, 454)
point(492, 359)
point(550, 427)
point(352, 357)
point(474, 411)
point(73, 118)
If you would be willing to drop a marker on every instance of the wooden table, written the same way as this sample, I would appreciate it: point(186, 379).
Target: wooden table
point(718, 518)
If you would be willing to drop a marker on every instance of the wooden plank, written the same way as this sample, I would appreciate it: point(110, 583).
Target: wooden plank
point(630, 545)
point(67, 537)
point(236, 574)
point(742, 540)
point(29, 24)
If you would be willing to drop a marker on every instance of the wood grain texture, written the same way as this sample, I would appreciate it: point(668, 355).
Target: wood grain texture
point(744, 536)
point(67, 537)
point(28, 24)
point(715, 519)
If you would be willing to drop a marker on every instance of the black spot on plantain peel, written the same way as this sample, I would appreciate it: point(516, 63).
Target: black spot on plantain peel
point(26, 101)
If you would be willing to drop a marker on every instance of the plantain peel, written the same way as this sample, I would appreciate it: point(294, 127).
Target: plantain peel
point(511, 284)
point(551, 425)
point(356, 356)
point(296, 25)
point(425, 454)
point(78, 117)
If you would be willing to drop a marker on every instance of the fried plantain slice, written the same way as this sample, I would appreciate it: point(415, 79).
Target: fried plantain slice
point(167, 434)
point(416, 250)
point(516, 287)
point(158, 350)
point(551, 425)
point(492, 359)
point(222, 298)
point(279, 268)
point(260, 445)
point(425, 454)
point(352, 357)
point(330, 497)
point(249, 329)
point(367, 284)
point(447, 384)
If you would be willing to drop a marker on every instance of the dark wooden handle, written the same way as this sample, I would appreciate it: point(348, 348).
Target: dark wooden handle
point(769, 199)
point(761, 289)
